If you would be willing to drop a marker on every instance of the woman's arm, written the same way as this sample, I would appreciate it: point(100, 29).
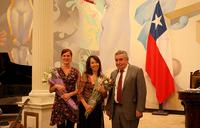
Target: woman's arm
point(55, 87)
point(66, 96)
point(52, 88)
point(81, 86)
point(75, 92)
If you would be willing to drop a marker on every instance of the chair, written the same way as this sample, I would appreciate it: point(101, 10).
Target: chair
point(195, 79)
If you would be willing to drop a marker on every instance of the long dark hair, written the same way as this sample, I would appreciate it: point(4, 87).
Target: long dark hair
point(89, 69)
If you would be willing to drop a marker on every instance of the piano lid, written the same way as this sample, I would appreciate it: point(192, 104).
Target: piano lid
point(15, 79)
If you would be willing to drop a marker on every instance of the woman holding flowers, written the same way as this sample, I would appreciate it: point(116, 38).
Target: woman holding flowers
point(91, 114)
point(63, 83)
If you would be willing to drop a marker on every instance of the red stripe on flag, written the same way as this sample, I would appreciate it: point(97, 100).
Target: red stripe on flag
point(158, 71)
point(90, 1)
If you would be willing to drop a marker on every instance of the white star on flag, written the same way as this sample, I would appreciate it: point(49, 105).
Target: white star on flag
point(156, 21)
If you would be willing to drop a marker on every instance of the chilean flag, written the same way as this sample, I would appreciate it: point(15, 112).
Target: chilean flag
point(90, 1)
point(158, 57)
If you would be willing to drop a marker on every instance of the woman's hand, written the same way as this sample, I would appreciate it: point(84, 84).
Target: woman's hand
point(66, 96)
point(101, 89)
point(111, 81)
point(88, 108)
point(61, 89)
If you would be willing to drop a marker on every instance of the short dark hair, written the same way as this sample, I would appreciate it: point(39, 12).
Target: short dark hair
point(66, 50)
point(89, 69)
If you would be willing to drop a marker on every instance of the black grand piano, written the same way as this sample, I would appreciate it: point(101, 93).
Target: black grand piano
point(15, 79)
point(15, 82)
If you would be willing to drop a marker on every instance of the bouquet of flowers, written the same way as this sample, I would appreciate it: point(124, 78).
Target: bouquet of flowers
point(53, 77)
point(96, 95)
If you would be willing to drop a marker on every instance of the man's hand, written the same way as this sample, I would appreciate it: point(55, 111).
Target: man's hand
point(139, 114)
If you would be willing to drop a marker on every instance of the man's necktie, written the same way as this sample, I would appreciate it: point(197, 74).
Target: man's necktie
point(119, 87)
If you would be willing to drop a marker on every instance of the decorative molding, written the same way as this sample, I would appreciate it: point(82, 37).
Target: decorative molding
point(36, 115)
point(39, 101)
point(39, 106)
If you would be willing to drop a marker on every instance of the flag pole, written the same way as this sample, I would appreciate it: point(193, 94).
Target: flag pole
point(160, 111)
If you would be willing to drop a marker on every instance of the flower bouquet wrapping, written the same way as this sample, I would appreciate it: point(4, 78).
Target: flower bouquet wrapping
point(96, 96)
point(53, 77)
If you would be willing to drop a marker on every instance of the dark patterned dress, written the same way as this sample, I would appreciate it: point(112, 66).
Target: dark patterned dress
point(61, 111)
point(95, 119)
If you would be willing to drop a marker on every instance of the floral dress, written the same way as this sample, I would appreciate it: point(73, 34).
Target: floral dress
point(61, 111)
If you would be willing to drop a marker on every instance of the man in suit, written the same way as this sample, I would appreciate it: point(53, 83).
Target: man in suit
point(127, 98)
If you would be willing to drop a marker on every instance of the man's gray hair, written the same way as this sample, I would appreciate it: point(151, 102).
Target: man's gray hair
point(122, 52)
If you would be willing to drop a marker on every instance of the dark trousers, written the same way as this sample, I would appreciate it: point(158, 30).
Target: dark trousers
point(66, 124)
point(119, 120)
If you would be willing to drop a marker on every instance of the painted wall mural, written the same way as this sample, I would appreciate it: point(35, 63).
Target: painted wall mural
point(16, 27)
point(4, 31)
point(116, 33)
point(86, 27)
point(78, 26)
point(93, 27)
point(101, 27)
point(20, 18)
point(3, 35)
